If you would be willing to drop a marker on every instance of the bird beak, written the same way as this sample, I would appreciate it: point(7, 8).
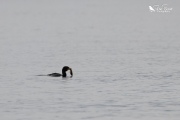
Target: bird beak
point(71, 72)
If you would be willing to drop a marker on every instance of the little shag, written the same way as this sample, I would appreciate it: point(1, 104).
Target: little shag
point(64, 69)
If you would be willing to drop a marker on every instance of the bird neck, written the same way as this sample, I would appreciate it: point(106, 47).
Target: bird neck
point(63, 73)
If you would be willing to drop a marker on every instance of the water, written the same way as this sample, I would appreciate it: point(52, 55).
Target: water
point(124, 59)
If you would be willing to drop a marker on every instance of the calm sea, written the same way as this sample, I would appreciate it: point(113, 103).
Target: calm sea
point(125, 60)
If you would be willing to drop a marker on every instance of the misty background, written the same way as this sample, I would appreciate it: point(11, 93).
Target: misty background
point(125, 59)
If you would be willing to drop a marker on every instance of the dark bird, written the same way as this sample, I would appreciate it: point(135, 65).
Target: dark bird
point(64, 69)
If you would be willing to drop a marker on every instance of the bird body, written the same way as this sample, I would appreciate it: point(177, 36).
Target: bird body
point(64, 69)
point(55, 75)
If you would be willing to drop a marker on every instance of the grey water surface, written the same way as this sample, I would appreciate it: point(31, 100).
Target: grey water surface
point(125, 59)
